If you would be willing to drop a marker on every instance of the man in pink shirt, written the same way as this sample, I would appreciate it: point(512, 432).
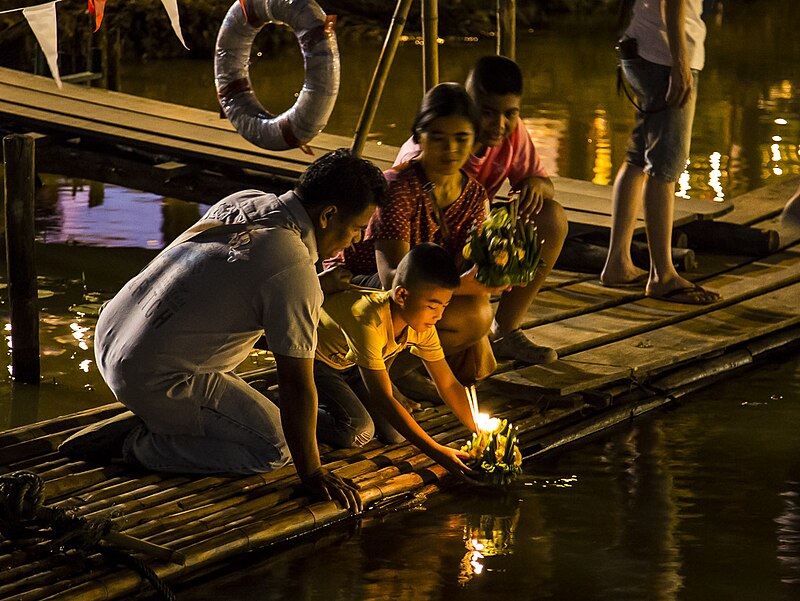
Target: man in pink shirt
point(504, 150)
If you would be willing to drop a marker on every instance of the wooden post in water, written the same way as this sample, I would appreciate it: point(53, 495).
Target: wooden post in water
point(430, 44)
point(380, 75)
point(21, 266)
point(507, 28)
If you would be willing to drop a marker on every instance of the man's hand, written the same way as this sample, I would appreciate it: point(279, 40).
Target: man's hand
point(680, 85)
point(326, 486)
point(334, 279)
point(530, 195)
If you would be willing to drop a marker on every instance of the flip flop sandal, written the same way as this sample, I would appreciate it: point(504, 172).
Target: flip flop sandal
point(689, 295)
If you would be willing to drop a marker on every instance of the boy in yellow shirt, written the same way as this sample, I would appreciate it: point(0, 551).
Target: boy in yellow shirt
point(360, 332)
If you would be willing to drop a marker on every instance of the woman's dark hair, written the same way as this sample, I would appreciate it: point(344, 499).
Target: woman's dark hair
point(445, 100)
point(346, 181)
point(495, 74)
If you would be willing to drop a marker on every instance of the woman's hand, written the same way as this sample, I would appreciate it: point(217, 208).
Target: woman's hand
point(471, 285)
point(334, 279)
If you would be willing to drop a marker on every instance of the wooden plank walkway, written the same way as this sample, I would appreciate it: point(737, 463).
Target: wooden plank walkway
point(204, 141)
point(622, 354)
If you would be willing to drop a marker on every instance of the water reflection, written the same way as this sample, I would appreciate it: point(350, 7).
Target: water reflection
point(698, 503)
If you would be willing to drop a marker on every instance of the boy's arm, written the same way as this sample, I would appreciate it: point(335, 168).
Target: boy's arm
point(451, 391)
point(531, 193)
point(379, 387)
point(299, 421)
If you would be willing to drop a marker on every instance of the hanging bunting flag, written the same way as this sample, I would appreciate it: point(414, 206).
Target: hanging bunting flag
point(97, 8)
point(172, 11)
point(42, 19)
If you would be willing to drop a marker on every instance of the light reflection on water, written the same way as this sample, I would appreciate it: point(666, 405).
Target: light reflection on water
point(698, 503)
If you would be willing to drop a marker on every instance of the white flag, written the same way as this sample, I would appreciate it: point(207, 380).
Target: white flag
point(42, 19)
point(172, 11)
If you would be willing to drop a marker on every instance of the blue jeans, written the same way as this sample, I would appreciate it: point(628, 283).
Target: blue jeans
point(343, 418)
point(660, 141)
point(241, 434)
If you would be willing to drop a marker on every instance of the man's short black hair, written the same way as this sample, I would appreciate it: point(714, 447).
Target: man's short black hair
point(495, 74)
point(427, 264)
point(339, 178)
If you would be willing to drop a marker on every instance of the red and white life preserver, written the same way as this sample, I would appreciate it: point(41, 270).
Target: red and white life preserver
point(309, 114)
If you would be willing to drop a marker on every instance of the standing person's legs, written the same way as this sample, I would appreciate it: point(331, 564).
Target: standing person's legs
point(626, 204)
point(241, 434)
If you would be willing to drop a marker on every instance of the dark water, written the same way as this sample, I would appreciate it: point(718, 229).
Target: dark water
point(698, 503)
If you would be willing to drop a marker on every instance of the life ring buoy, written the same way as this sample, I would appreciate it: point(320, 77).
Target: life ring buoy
point(295, 127)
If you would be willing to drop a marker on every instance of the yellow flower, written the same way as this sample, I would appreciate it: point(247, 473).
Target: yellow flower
point(467, 252)
point(520, 253)
point(501, 258)
point(517, 457)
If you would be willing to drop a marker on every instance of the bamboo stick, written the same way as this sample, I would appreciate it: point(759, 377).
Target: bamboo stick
point(58, 424)
point(380, 75)
point(430, 44)
point(507, 28)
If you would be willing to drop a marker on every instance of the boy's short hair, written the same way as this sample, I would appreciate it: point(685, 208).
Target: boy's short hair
point(445, 100)
point(495, 74)
point(339, 178)
point(427, 263)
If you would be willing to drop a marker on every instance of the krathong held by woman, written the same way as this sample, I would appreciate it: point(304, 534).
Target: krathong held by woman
point(431, 199)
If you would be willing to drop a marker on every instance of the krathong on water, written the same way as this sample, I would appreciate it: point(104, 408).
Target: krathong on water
point(493, 450)
point(507, 250)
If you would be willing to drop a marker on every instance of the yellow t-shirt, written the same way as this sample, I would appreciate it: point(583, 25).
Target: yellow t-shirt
point(355, 328)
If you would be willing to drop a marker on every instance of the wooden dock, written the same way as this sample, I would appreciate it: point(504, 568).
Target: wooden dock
point(621, 355)
point(195, 155)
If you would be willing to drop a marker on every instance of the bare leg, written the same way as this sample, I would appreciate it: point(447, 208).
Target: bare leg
point(627, 201)
point(659, 205)
point(465, 321)
point(552, 227)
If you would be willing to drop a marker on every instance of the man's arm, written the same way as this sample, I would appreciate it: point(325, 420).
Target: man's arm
point(299, 420)
point(680, 79)
point(451, 391)
point(379, 387)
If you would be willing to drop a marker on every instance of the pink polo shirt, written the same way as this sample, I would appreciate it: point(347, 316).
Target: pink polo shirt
point(514, 158)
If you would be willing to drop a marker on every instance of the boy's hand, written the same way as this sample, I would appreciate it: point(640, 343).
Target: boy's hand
point(451, 459)
point(326, 486)
point(334, 279)
point(530, 196)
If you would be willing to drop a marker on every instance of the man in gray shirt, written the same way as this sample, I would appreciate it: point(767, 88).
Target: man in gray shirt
point(168, 342)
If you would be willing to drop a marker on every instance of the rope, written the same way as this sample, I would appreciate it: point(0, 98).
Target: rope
point(23, 515)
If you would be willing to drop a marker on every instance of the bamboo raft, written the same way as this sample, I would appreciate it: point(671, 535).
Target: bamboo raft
point(621, 355)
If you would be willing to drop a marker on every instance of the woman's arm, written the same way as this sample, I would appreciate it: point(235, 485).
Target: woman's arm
point(388, 254)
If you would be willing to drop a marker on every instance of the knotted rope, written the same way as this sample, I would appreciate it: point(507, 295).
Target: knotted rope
point(23, 515)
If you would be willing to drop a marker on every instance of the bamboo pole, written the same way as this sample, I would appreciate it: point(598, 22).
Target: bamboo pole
point(18, 157)
point(380, 75)
point(507, 28)
point(59, 424)
point(430, 44)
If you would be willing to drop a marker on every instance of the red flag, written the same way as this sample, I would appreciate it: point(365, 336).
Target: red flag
point(97, 8)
